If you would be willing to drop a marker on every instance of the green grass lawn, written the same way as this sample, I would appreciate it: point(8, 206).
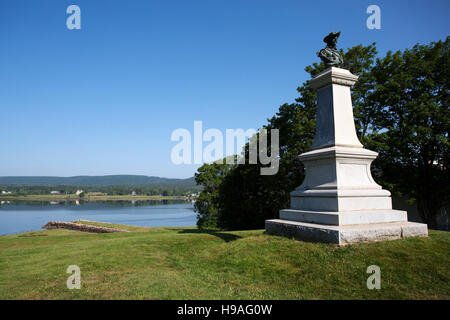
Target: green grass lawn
point(185, 263)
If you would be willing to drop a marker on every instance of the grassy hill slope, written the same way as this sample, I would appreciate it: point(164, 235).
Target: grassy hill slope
point(185, 263)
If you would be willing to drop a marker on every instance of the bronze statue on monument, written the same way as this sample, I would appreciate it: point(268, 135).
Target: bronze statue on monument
point(330, 55)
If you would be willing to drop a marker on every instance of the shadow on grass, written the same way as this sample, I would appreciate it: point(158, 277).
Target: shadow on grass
point(227, 237)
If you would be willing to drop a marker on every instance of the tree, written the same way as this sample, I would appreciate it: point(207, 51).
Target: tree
point(412, 121)
point(209, 176)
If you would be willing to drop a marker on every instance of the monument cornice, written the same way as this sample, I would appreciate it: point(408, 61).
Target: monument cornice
point(338, 152)
point(333, 75)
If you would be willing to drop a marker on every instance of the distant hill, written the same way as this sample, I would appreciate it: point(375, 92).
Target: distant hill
point(111, 180)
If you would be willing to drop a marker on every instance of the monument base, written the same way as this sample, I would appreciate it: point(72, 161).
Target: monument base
point(339, 201)
point(344, 218)
point(345, 234)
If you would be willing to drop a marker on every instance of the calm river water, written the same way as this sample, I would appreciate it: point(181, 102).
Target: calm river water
point(18, 217)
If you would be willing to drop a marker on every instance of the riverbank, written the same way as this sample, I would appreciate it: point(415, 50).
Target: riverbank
point(187, 263)
point(88, 197)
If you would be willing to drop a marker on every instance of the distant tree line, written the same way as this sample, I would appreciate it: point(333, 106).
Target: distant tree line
point(110, 190)
point(401, 111)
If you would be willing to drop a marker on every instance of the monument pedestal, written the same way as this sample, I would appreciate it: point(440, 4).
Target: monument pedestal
point(339, 201)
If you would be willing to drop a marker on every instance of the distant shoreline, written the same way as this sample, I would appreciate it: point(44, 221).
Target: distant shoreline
point(73, 197)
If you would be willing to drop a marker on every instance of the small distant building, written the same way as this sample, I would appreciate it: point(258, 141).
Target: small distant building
point(6, 192)
point(55, 192)
point(133, 193)
point(79, 192)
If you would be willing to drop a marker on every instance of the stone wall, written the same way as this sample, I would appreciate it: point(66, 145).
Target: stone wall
point(80, 227)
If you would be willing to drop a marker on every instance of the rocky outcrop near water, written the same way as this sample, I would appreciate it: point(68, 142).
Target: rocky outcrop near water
point(80, 227)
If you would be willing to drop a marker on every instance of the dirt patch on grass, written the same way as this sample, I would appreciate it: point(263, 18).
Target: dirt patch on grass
point(32, 234)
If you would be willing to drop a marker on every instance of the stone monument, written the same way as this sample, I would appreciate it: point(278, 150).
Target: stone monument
point(339, 201)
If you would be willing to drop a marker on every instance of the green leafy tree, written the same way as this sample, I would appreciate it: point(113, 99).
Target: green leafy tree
point(412, 119)
point(209, 176)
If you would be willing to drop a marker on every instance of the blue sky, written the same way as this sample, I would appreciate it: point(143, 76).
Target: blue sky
point(105, 99)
